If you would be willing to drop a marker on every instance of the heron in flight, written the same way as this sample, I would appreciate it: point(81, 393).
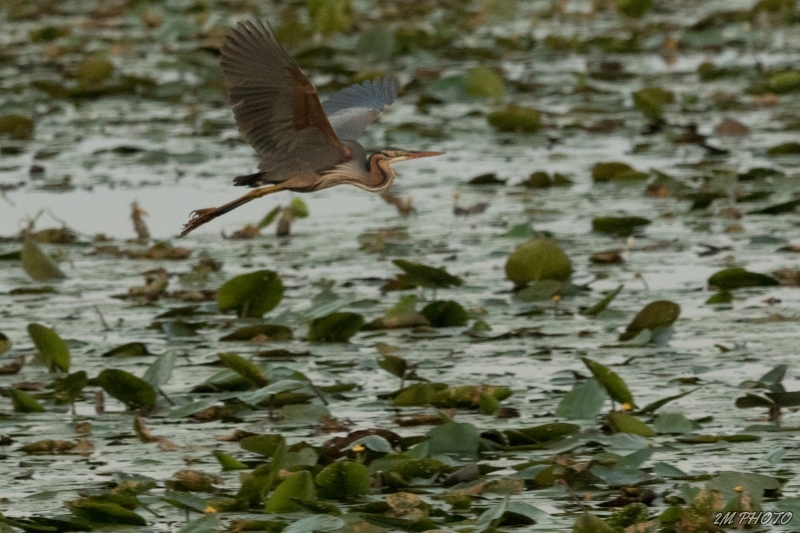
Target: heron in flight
point(304, 144)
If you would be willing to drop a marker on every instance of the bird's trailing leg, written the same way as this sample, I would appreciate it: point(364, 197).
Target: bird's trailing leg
point(201, 216)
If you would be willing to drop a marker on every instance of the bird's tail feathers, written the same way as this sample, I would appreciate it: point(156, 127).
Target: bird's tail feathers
point(251, 180)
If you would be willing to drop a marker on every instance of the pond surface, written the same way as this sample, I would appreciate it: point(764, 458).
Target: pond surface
point(169, 144)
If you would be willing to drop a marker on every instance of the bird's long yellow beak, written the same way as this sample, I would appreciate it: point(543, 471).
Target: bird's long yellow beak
point(415, 155)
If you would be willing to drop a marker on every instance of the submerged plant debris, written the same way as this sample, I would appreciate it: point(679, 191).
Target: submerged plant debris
point(583, 317)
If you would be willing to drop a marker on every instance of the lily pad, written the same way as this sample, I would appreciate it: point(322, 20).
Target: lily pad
point(127, 388)
point(651, 100)
point(251, 295)
point(270, 332)
point(626, 423)
point(738, 278)
point(418, 275)
point(53, 351)
point(516, 119)
point(655, 315)
point(622, 226)
point(788, 148)
point(298, 485)
point(24, 402)
point(613, 384)
point(483, 82)
point(344, 480)
point(335, 327)
point(36, 263)
point(445, 314)
point(539, 259)
point(610, 171)
point(785, 82)
point(17, 127)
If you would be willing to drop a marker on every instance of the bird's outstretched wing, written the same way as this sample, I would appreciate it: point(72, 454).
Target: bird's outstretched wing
point(354, 108)
point(276, 108)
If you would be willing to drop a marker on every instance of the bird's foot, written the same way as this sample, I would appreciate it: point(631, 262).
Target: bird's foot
point(200, 217)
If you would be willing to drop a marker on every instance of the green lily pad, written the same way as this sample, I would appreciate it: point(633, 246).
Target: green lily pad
point(298, 485)
point(483, 82)
point(654, 316)
point(651, 100)
point(722, 297)
point(588, 523)
point(445, 314)
point(69, 388)
point(539, 259)
point(788, 148)
point(622, 226)
point(272, 332)
point(344, 480)
point(5, 344)
point(266, 445)
point(330, 16)
point(614, 385)
point(247, 369)
point(251, 295)
point(516, 119)
point(456, 438)
point(737, 278)
point(621, 422)
point(37, 264)
point(417, 275)
point(583, 402)
point(785, 82)
point(127, 388)
point(609, 171)
point(16, 126)
point(53, 351)
point(24, 402)
point(335, 327)
point(131, 349)
point(104, 513)
point(93, 70)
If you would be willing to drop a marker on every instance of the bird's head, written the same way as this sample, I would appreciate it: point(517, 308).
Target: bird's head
point(395, 155)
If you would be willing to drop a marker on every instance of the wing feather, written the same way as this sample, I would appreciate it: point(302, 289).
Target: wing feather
point(354, 108)
point(276, 107)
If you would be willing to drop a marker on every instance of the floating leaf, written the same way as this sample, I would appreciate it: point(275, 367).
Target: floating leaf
point(610, 171)
point(319, 523)
point(5, 344)
point(626, 423)
point(516, 119)
point(539, 259)
point(483, 82)
point(251, 295)
point(344, 480)
point(229, 462)
point(788, 148)
point(53, 352)
point(722, 297)
point(611, 382)
point(655, 315)
point(298, 485)
point(270, 332)
point(104, 513)
point(94, 70)
point(456, 438)
point(600, 306)
point(622, 226)
point(330, 16)
point(588, 523)
point(69, 388)
point(131, 349)
point(335, 327)
point(651, 100)
point(445, 314)
point(583, 402)
point(127, 388)
point(634, 8)
point(540, 434)
point(16, 126)
point(785, 82)
point(36, 263)
point(394, 364)
point(266, 445)
point(247, 369)
point(298, 208)
point(159, 372)
point(24, 402)
point(672, 423)
point(418, 275)
point(737, 278)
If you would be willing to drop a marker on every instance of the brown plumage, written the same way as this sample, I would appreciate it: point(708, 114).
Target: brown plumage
point(304, 145)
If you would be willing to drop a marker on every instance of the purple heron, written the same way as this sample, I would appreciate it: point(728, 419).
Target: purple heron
point(304, 145)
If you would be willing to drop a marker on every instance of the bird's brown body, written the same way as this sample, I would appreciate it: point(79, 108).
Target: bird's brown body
point(305, 145)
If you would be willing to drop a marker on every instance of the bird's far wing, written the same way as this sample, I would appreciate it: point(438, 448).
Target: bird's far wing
point(276, 108)
point(354, 108)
